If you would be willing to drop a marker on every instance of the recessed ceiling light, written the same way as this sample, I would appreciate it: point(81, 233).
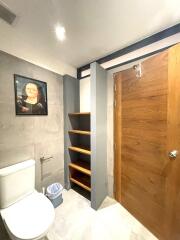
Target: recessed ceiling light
point(60, 32)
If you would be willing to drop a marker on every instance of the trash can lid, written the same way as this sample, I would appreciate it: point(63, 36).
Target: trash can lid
point(54, 188)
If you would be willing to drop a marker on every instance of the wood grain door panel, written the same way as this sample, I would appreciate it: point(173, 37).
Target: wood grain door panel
point(146, 127)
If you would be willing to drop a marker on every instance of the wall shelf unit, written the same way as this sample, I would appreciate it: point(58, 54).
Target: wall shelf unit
point(82, 182)
point(80, 150)
point(81, 166)
point(79, 113)
point(85, 137)
point(80, 132)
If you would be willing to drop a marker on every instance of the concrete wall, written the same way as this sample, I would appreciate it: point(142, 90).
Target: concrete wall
point(25, 137)
point(85, 105)
point(98, 135)
point(85, 98)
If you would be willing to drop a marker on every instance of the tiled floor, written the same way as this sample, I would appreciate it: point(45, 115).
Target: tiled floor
point(76, 220)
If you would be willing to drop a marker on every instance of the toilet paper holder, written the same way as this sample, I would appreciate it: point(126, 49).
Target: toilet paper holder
point(43, 159)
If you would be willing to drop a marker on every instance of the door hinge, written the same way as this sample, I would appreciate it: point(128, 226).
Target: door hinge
point(114, 103)
point(115, 87)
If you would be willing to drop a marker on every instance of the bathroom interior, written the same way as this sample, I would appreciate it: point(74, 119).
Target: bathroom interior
point(89, 119)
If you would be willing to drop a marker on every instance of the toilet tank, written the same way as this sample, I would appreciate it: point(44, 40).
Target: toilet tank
point(16, 182)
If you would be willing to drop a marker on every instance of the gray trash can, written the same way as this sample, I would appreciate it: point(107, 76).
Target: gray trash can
point(54, 193)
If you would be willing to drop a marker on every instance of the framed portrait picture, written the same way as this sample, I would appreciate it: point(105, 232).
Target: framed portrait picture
point(30, 96)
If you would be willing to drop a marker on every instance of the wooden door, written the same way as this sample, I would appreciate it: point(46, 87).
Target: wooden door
point(146, 128)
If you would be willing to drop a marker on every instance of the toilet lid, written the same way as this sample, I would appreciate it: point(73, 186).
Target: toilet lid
point(30, 217)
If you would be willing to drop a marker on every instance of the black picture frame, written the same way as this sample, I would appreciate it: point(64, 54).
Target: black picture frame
point(30, 96)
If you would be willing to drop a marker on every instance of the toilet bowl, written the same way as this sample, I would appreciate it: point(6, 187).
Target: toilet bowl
point(26, 213)
point(29, 218)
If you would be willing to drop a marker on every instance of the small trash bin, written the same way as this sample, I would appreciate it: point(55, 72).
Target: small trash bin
point(54, 193)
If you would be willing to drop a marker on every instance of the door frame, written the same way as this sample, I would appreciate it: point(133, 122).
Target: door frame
point(117, 164)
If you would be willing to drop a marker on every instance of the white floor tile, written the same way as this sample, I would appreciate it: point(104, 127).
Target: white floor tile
point(76, 220)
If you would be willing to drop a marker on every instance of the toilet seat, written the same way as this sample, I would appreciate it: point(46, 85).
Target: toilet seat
point(29, 218)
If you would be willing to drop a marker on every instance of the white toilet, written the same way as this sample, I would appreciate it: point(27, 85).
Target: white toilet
point(26, 213)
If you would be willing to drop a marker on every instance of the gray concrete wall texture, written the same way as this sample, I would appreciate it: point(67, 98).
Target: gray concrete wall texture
point(98, 135)
point(26, 137)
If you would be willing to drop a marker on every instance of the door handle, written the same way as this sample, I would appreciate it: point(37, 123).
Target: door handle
point(173, 154)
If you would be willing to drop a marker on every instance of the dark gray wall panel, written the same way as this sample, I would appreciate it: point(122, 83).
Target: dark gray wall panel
point(98, 134)
point(71, 104)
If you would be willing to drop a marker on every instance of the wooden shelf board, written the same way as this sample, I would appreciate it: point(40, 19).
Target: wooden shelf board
point(80, 132)
point(79, 113)
point(80, 150)
point(81, 166)
point(81, 184)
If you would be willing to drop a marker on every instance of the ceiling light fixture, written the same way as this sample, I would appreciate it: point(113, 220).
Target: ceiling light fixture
point(60, 32)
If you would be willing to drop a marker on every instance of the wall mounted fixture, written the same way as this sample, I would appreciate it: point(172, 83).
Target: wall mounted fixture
point(47, 158)
point(138, 70)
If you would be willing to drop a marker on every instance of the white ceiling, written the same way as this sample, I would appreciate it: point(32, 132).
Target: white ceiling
point(94, 28)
